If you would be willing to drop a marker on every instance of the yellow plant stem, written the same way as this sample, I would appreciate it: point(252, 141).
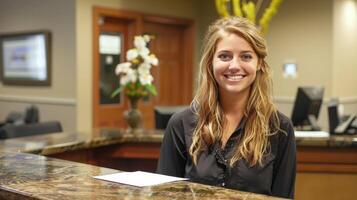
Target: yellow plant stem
point(236, 8)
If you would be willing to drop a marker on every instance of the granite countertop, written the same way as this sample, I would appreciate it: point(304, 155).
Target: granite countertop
point(29, 176)
point(60, 142)
point(333, 141)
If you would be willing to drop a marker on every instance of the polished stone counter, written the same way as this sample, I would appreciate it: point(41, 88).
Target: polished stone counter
point(331, 141)
point(29, 176)
point(61, 142)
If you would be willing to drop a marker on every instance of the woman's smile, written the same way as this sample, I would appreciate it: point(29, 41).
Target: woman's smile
point(234, 77)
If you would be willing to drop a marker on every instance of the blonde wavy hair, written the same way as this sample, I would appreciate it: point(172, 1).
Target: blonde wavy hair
point(260, 113)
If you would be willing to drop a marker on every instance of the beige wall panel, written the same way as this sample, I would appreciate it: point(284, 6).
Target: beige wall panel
point(344, 48)
point(301, 33)
point(59, 18)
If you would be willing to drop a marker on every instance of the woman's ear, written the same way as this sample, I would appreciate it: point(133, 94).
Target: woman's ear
point(259, 66)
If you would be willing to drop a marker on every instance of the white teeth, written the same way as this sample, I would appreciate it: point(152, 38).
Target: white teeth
point(234, 77)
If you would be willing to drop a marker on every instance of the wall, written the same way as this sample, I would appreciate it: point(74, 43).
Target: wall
point(301, 32)
point(344, 43)
point(175, 8)
point(58, 100)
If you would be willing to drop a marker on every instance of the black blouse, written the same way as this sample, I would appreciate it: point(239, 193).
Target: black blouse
point(275, 177)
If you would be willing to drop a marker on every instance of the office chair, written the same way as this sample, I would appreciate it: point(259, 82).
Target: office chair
point(12, 131)
point(164, 113)
point(31, 115)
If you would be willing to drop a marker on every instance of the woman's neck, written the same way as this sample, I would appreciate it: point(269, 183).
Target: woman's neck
point(234, 104)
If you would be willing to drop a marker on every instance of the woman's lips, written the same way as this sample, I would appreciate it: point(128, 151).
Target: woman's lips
point(235, 77)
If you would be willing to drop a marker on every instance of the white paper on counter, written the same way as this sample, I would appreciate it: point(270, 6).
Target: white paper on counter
point(311, 134)
point(139, 178)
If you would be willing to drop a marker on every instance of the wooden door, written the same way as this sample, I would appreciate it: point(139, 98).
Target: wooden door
point(172, 78)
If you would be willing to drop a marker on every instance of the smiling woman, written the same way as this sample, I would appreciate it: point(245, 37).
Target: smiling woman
point(232, 135)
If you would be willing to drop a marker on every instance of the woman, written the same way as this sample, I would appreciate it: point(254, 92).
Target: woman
point(232, 135)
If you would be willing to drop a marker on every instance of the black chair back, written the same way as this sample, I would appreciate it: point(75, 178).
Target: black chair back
point(164, 113)
point(12, 131)
point(31, 115)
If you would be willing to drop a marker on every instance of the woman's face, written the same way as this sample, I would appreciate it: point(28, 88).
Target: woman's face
point(234, 65)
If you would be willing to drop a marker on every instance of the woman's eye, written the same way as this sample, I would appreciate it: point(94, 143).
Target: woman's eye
point(224, 57)
point(246, 57)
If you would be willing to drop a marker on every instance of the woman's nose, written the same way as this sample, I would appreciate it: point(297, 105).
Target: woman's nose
point(234, 65)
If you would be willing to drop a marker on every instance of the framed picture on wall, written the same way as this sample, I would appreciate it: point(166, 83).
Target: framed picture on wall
point(25, 58)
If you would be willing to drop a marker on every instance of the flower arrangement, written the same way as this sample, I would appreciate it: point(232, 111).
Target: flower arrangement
point(249, 10)
point(135, 78)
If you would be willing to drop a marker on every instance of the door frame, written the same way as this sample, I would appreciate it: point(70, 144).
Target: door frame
point(136, 22)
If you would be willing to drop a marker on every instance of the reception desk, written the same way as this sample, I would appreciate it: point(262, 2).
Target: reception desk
point(29, 167)
point(118, 149)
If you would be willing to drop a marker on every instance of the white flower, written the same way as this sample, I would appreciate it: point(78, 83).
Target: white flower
point(143, 52)
point(146, 79)
point(129, 76)
point(131, 54)
point(144, 74)
point(132, 76)
point(144, 66)
point(144, 69)
point(122, 68)
point(139, 42)
point(124, 80)
point(146, 38)
point(151, 59)
point(137, 68)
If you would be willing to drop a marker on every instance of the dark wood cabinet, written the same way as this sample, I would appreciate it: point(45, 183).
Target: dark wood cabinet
point(125, 156)
point(327, 159)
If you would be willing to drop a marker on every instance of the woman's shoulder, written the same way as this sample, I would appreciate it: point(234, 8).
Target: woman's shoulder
point(182, 124)
point(284, 136)
point(284, 120)
point(286, 126)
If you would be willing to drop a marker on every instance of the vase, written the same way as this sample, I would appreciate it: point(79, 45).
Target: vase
point(133, 116)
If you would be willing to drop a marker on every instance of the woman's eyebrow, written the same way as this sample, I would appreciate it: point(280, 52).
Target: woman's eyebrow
point(224, 50)
point(247, 51)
